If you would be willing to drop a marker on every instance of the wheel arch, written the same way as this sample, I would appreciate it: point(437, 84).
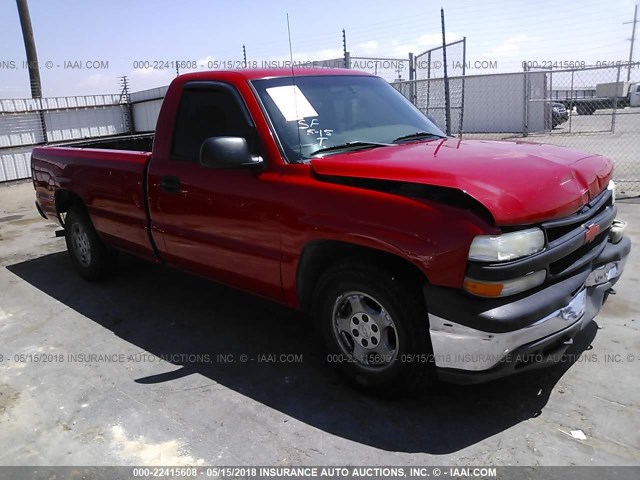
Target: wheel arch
point(64, 200)
point(319, 255)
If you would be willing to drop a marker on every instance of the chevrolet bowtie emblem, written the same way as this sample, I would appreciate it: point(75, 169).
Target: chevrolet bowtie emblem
point(592, 232)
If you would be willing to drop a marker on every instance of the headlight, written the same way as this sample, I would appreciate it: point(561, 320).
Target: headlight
point(612, 187)
point(505, 287)
point(508, 246)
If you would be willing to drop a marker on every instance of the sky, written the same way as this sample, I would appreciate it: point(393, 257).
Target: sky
point(126, 34)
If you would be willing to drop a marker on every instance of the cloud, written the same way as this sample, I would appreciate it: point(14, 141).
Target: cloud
point(511, 47)
point(371, 46)
point(145, 78)
point(314, 55)
point(395, 48)
point(99, 83)
point(435, 39)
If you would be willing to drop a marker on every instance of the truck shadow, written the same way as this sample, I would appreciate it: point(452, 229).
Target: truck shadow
point(168, 313)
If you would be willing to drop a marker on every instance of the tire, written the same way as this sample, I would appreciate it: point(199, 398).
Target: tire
point(90, 257)
point(397, 360)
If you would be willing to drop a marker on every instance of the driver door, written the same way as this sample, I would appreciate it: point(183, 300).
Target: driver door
point(220, 223)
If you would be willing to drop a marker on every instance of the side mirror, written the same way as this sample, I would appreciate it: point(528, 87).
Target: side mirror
point(227, 152)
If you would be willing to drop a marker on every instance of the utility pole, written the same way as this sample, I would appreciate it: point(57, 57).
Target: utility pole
point(30, 47)
point(633, 39)
point(244, 56)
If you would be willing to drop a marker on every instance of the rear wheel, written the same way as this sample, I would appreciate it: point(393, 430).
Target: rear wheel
point(375, 327)
point(88, 254)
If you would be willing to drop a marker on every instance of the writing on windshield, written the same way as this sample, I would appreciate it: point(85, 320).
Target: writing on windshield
point(315, 112)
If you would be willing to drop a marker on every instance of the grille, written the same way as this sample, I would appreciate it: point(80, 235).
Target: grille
point(579, 257)
point(600, 212)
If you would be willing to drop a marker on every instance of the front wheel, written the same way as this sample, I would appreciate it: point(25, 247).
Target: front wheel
point(88, 254)
point(376, 329)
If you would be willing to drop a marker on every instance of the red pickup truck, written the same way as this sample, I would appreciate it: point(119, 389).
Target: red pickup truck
point(419, 256)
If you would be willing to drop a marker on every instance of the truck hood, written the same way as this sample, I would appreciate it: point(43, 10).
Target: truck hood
point(520, 183)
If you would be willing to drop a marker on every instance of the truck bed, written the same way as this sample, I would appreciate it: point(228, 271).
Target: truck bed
point(109, 180)
point(131, 143)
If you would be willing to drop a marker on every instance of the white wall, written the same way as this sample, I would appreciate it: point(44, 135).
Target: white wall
point(496, 103)
point(492, 103)
point(15, 163)
point(145, 113)
point(74, 124)
point(19, 129)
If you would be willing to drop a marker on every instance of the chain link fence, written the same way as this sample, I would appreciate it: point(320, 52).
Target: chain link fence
point(596, 110)
point(431, 63)
point(484, 105)
point(429, 96)
point(437, 97)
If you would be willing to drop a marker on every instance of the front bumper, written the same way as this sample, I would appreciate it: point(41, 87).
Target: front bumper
point(494, 338)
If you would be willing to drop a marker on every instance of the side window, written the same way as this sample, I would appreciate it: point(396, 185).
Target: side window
point(203, 114)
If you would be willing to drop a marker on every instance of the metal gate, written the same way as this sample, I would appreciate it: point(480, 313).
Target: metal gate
point(602, 105)
point(442, 96)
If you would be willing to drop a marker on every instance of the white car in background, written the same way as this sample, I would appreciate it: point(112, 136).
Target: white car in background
point(634, 95)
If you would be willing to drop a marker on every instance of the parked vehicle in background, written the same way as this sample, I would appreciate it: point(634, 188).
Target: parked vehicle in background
point(634, 95)
point(608, 95)
point(417, 255)
point(559, 114)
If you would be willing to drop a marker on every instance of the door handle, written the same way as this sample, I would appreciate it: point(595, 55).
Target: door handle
point(170, 184)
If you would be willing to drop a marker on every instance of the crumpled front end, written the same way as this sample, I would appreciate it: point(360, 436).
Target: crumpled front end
point(479, 339)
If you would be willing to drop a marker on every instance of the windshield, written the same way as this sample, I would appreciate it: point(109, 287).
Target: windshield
point(314, 113)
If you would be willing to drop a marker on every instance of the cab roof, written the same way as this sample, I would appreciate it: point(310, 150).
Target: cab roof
point(255, 74)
